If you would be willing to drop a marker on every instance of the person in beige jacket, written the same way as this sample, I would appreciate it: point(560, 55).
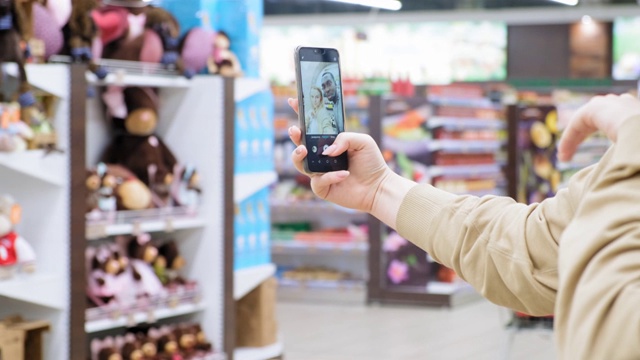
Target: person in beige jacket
point(576, 255)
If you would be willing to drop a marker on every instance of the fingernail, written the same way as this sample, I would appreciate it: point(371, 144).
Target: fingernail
point(298, 150)
point(290, 129)
point(342, 174)
point(329, 150)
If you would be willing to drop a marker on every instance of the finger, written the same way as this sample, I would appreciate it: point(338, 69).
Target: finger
point(321, 185)
point(293, 103)
point(579, 128)
point(297, 156)
point(347, 141)
point(295, 135)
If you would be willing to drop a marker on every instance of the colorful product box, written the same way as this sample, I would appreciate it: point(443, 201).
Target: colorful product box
point(252, 246)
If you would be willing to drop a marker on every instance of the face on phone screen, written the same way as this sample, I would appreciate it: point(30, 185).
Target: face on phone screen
point(321, 106)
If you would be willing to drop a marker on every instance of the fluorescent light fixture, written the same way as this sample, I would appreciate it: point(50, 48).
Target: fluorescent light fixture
point(382, 4)
point(587, 20)
point(568, 2)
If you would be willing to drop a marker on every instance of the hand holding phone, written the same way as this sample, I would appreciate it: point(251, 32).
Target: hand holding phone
point(321, 109)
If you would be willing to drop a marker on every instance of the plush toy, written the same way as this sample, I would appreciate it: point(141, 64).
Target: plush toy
point(48, 21)
point(130, 347)
point(168, 264)
point(80, 33)
point(113, 187)
point(102, 287)
point(13, 24)
point(186, 340)
point(223, 61)
point(168, 348)
point(186, 187)
point(148, 346)
point(135, 31)
point(104, 349)
point(15, 251)
point(142, 253)
point(138, 148)
point(203, 345)
point(14, 133)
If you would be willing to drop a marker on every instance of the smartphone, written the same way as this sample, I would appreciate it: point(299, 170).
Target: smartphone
point(320, 106)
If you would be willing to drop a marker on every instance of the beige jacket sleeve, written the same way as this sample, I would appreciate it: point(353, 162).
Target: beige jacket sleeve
point(506, 250)
point(597, 309)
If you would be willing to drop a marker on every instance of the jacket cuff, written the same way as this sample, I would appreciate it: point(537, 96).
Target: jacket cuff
point(628, 147)
point(420, 206)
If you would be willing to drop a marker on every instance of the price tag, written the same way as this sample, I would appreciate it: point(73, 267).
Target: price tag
point(137, 228)
point(131, 320)
point(151, 316)
point(115, 314)
point(168, 225)
point(173, 302)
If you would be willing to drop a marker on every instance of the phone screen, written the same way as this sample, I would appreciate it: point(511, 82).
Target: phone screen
point(321, 109)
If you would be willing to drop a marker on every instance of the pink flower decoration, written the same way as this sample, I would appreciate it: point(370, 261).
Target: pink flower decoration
point(398, 272)
point(393, 242)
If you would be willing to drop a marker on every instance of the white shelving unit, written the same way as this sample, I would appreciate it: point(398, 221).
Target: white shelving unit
point(40, 183)
point(245, 280)
point(262, 353)
point(191, 123)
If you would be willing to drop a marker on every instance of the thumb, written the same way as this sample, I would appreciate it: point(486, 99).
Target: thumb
point(349, 141)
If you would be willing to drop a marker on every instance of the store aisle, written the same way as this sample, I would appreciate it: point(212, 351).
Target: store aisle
point(357, 332)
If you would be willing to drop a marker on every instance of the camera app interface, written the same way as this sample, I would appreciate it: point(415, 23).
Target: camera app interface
point(323, 115)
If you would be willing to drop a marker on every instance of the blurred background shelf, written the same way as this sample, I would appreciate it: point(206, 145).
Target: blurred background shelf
point(98, 230)
point(459, 123)
point(312, 247)
point(259, 353)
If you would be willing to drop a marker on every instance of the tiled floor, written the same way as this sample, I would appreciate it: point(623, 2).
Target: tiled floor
point(358, 332)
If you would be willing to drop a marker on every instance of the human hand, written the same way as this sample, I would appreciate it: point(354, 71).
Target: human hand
point(355, 188)
point(604, 113)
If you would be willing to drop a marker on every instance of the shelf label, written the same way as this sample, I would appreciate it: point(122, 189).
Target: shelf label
point(137, 228)
point(168, 225)
point(131, 320)
point(173, 302)
point(151, 316)
point(96, 231)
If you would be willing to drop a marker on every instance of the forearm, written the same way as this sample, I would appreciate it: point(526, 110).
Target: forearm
point(599, 267)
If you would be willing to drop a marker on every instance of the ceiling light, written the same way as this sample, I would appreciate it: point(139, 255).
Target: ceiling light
point(567, 2)
point(382, 4)
point(587, 20)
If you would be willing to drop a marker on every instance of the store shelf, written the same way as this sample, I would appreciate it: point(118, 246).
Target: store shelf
point(323, 284)
point(245, 280)
point(146, 80)
point(460, 123)
point(245, 87)
point(248, 184)
point(466, 146)
point(443, 288)
point(98, 231)
point(36, 164)
point(312, 207)
point(480, 103)
point(292, 246)
point(465, 170)
point(142, 317)
point(408, 147)
point(40, 289)
point(259, 353)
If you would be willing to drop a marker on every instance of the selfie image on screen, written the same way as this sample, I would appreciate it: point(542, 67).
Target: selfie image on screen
point(322, 98)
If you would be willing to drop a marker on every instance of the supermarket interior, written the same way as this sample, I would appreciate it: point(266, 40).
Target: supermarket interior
point(211, 244)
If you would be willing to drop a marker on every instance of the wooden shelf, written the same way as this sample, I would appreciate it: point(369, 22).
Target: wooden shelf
point(40, 289)
point(248, 279)
point(142, 317)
